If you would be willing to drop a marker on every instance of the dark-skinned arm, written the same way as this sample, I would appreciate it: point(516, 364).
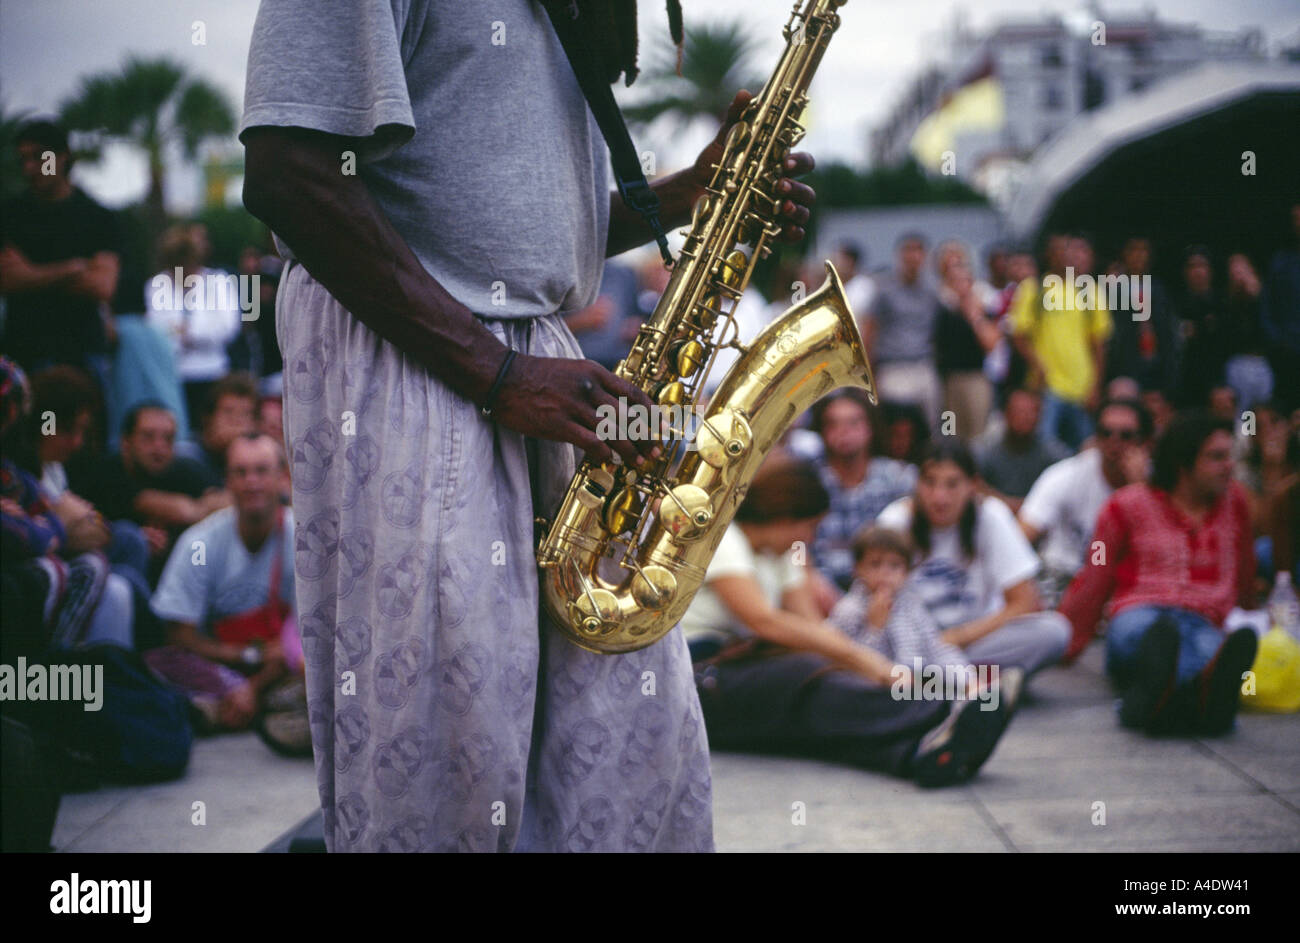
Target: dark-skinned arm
point(293, 183)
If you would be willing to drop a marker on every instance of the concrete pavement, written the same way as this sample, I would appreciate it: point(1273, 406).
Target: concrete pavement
point(1063, 754)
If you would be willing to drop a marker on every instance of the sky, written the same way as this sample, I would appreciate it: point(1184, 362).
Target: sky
point(47, 45)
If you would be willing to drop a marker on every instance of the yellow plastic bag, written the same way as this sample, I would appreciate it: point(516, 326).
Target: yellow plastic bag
point(1277, 674)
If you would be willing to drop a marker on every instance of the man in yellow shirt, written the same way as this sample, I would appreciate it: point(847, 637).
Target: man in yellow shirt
point(1060, 327)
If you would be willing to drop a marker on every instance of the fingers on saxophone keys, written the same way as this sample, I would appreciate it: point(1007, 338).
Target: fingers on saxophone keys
point(799, 163)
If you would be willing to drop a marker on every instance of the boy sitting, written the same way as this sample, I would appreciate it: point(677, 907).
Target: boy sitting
point(880, 613)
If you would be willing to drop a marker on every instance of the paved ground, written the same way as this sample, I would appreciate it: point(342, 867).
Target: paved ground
point(1063, 754)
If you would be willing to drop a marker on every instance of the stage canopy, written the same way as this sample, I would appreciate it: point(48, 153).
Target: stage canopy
point(1168, 163)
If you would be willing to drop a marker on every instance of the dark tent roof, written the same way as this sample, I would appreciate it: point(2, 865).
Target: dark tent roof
point(1167, 163)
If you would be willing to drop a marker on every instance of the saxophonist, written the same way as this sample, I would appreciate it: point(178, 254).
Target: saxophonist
point(433, 173)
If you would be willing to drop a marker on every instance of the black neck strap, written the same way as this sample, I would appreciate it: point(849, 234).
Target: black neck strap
point(583, 57)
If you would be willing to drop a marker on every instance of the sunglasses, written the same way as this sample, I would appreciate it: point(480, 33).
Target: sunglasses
point(1124, 435)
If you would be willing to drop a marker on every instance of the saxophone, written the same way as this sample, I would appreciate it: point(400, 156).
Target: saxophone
point(627, 550)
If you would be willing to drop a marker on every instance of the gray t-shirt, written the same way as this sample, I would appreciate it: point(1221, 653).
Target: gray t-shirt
point(904, 316)
point(473, 136)
point(211, 576)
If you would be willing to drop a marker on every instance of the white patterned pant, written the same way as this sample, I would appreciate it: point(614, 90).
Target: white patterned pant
point(442, 718)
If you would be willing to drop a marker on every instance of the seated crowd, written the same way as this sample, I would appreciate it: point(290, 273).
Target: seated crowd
point(893, 578)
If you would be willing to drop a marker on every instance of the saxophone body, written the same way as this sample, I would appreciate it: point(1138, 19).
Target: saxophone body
point(626, 550)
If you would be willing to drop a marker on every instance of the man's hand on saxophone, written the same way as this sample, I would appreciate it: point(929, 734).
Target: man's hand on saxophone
point(799, 197)
point(678, 192)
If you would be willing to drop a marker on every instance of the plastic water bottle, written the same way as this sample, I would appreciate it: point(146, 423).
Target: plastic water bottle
point(1284, 607)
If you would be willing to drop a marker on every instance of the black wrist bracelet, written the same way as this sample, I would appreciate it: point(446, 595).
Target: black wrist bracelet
point(490, 402)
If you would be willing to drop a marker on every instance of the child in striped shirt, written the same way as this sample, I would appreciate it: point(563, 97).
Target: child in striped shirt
point(880, 613)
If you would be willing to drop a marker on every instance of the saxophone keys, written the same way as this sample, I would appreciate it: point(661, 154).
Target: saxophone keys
point(654, 587)
point(670, 394)
point(689, 357)
point(594, 614)
point(622, 510)
point(686, 512)
point(733, 269)
point(723, 438)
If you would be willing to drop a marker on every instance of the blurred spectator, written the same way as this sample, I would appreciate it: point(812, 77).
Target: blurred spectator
point(773, 676)
point(881, 613)
point(859, 486)
point(906, 432)
point(601, 328)
point(54, 571)
point(1062, 507)
point(1160, 408)
point(1175, 558)
point(1005, 366)
point(64, 398)
point(1280, 315)
point(898, 331)
point(976, 571)
point(229, 411)
point(1144, 344)
point(1206, 331)
point(270, 412)
point(1010, 464)
point(1284, 528)
point(1063, 342)
point(997, 260)
point(237, 562)
point(199, 319)
point(1247, 371)
point(1222, 402)
point(59, 262)
point(147, 483)
point(964, 336)
point(1270, 461)
point(859, 288)
point(1123, 388)
point(255, 349)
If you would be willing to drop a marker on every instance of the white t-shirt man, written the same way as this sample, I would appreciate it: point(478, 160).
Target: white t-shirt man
point(860, 290)
point(198, 335)
point(225, 580)
point(1063, 505)
point(956, 589)
point(708, 617)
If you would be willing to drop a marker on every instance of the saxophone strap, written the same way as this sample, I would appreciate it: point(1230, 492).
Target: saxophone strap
point(585, 58)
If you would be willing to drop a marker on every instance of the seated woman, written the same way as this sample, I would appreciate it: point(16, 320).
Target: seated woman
point(975, 572)
point(50, 557)
point(774, 677)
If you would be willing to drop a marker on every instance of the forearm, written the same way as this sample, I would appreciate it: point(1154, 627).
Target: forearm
point(1026, 350)
point(342, 237)
point(15, 279)
point(677, 195)
point(171, 510)
point(808, 635)
point(99, 280)
point(968, 632)
point(187, 637)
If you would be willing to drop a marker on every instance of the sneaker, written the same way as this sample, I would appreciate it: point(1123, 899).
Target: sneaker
point(954, 751)
point(286, 732)
point(287, 695)
point(1220, 682)
point(1154, 674)
point(1011, 684)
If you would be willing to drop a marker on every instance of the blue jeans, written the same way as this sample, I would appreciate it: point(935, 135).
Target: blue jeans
point(1061, 419)
point(1198, 640)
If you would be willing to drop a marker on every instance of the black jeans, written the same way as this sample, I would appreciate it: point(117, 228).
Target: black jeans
point(796, 703)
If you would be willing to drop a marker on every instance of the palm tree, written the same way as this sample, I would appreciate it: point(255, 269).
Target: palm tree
point(150, 103)
point(715, 65)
